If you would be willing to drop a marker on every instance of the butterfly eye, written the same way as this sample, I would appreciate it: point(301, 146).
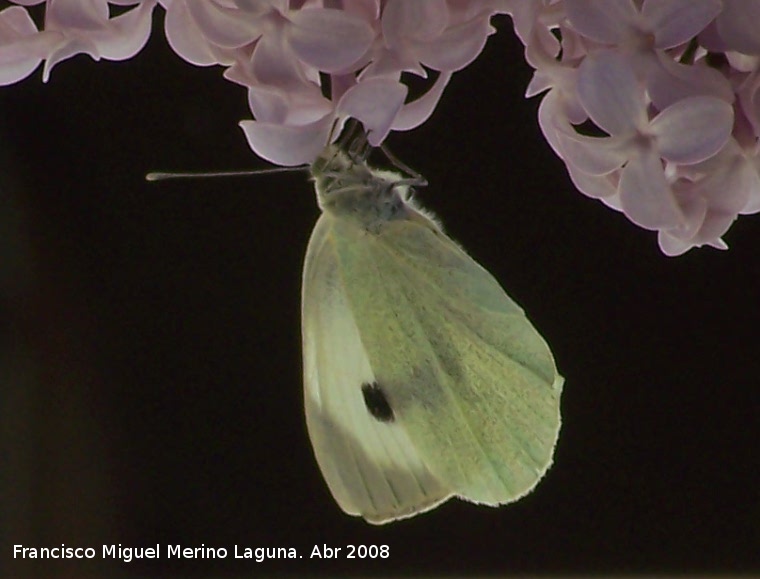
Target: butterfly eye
point(377, 403)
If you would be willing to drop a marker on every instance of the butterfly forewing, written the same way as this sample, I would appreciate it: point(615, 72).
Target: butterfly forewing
point(472, 383)
point(371, 466)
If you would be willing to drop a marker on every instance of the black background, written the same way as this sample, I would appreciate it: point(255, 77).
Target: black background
point(153, 366)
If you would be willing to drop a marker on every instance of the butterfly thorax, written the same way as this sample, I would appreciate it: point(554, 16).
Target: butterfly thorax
point(350, 189)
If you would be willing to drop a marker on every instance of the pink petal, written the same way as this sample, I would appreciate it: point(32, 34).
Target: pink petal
point(605, 21)
point(645, 195)
point(677, 21)
point(715, 225)
point(543, 49)
point(753, 203)
point(710, 205)
point(329, 40)
point(693, 129)
point(524, 17)
point(184, 36)
point(737, 25)
point(593, 155)
point(295, 106)
point(613, 201)
point(65, 14)
point(457, 47)
point(388, 62)
point(274, 63)
point(18, 38)
point(366, 10)
point(340, 84)
point(288, 145)
point(743, 62)
point(539, 82)
point(671, 82)
point(375, 102)
point(128, 33)
point(611, 94)
point(693, 206)
point(727, 190)
point(556, 114)
point(15, 65)
point(710, 38)
point(553, 120)
point(596, 186)
point(671, 245)
point(729, 180)
point(543, 56)
point(420, 21)
point(257, 6)
point(418, 111)
point(15, 22)
point(65, 50)
point(225, 27)
point(574, 46)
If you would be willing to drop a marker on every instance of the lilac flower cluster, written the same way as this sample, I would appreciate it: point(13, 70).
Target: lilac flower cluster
point(654, 105)
point(305, 63)
point(673, 86)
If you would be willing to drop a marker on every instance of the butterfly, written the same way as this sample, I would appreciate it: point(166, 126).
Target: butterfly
point(423, 379)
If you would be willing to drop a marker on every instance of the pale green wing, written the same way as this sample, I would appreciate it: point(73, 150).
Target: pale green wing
point(469, 378)
point(371, 466)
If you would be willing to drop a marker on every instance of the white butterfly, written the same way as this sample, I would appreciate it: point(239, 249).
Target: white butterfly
point(423, 379)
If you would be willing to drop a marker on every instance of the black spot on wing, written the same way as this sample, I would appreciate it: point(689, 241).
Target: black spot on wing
point(377, 403)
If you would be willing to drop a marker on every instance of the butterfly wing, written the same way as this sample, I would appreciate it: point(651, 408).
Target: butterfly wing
point(469, 379)
point(370, 464)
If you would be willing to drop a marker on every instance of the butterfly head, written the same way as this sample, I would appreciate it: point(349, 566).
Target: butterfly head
point(349, 188)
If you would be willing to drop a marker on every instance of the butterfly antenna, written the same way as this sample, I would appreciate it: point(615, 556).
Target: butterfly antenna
point(416, 179)
point(354, 141)
point(349, 134)
point(161, 176)
point(359, 147)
